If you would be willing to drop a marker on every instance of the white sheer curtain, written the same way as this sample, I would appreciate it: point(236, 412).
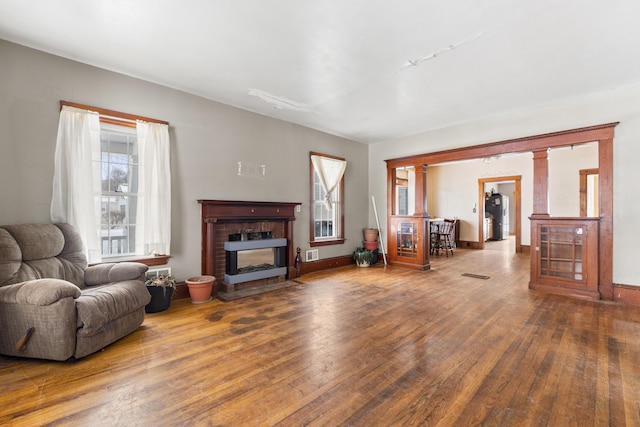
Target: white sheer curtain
point(154, 194)
point(77, 177)
point(330, 171)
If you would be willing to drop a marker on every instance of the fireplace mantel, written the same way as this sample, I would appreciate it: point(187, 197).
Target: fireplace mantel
point(219, 217)
point(217, 210)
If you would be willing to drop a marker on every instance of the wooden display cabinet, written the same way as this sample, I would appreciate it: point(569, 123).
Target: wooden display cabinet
point(409, 241)
point(564, 256)
point(407, 225)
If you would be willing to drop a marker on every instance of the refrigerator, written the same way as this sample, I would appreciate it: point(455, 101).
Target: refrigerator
point(496, 205)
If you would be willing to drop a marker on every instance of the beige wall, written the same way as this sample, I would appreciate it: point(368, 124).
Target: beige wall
point(208, 139)
point(453, 190)
point(564, 177)
point(620, 104)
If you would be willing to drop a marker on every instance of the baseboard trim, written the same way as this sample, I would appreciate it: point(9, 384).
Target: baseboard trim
point(465, 244)
point(629, 294)
point(324, 264)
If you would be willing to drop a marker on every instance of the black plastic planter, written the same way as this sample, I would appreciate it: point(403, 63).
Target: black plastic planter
point(160, 299)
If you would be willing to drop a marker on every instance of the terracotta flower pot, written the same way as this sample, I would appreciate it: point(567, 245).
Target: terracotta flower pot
point(370, 234)
point(200, 288)
point(370, 245)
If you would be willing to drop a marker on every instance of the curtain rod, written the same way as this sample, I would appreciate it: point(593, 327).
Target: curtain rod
point(111, 116)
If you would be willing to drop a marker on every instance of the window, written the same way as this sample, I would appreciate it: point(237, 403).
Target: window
point(324, 218)
point(119, 201)
point(327, 199)
point(112, 182)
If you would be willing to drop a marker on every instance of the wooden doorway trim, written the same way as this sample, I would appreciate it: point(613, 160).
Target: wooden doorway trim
point(602, 134)
point(517, 207)
point(584, 173)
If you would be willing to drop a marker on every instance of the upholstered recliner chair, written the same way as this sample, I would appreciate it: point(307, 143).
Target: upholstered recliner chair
point(52, 306)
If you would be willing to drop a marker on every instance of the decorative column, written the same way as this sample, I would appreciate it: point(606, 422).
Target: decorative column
point(420, 190)
point(605, 205)
point(540, 183)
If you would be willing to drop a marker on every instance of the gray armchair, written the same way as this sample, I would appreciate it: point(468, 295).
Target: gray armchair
point(52, 305)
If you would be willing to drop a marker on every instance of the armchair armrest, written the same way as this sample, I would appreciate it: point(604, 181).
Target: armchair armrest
point(38, 292)
point(114, 272)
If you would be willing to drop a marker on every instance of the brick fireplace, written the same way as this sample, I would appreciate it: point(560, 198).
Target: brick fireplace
point(235, 224)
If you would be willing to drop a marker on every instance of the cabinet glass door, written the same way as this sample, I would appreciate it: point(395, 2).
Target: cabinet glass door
point(561, 252)
point(407, 239)
point(564, 255)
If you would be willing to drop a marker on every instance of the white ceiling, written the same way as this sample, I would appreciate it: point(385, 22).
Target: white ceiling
point(367, 70)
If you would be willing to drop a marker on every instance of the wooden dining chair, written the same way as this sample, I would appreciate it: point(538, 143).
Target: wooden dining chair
point(444, 238)
point(434, 230)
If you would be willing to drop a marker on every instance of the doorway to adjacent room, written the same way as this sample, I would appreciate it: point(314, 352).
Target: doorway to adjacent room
point(515, 206)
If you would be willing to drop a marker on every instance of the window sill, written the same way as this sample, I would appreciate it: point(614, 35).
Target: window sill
point(150, 261)
point(326, 242)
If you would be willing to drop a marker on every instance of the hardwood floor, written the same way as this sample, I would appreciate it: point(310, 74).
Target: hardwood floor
point(363, 347)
